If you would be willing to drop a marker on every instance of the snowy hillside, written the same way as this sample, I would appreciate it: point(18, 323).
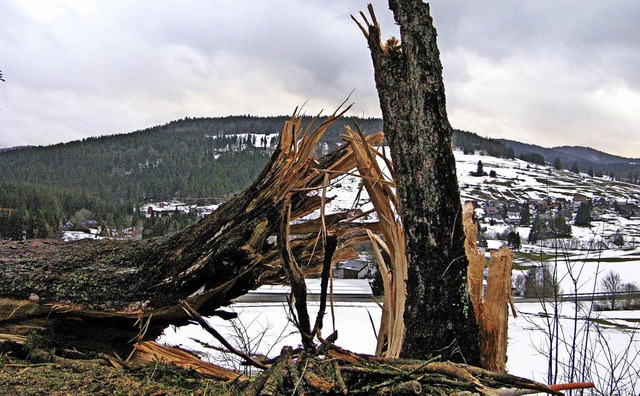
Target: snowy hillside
point(547, 192)
point(517, 181)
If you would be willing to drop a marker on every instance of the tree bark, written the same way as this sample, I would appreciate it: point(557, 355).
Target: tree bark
point(110, 283)
point(439, 318)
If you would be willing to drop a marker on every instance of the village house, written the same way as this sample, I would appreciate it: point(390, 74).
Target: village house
point(627, 209)
point(513, 215)
point(560, 202)
point(541, 206)
point(352, 269)
point(580, 198)
point(493, 208)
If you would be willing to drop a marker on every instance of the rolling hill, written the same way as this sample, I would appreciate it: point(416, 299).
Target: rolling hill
point(208, 159)
point(585, 158)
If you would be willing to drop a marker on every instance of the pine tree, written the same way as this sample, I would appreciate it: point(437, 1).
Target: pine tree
point(525, 215)
point(479, 169)
point(559, 227)
point(513, 239)
point(575, 168)
point(538, 230)
point(583, 216)
point(557, 163)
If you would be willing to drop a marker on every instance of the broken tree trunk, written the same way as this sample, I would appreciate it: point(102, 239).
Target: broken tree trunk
point(439, 318)
point(491, 311)
point(81, 288)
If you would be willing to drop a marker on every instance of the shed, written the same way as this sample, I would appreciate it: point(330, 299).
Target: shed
point(352, 269)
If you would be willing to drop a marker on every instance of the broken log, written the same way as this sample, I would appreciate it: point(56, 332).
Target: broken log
point(81, 288)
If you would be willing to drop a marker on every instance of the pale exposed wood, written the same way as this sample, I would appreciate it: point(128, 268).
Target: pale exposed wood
point(394, 273)
point(492, 310)
point(475, 272)
point(495, 320)
point(149, 351)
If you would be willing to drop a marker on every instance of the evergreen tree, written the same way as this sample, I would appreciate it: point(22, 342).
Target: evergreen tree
point(583, 216)
point(538, 230)
point(513, 239)
point(559, 227)
point(575, 168)
point(557, 163)
point(590, 171)
point(479, 170)
point(533, 158)
point(525, 215)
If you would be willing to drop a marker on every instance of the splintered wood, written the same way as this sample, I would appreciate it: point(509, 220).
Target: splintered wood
point(148, 351)
point(393, 271)
point(492, 312)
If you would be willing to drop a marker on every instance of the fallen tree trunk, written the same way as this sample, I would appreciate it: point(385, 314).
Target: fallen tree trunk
point(119, 283)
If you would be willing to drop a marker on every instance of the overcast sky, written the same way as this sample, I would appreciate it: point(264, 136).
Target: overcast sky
point(543, 72)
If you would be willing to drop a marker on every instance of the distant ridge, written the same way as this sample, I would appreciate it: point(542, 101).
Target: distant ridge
point(585, 157)
point(592, 155)
point(14, 148)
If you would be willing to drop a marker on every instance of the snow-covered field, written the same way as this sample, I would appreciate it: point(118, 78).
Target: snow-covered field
point(264, 328)
point(267, 329)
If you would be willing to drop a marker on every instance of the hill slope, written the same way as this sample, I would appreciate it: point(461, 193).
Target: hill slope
point(190, 159)
point(185, 158)
point(585, 158)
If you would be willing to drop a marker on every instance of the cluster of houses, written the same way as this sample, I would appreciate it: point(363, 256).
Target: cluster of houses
point(169, 208)
point(510, 211)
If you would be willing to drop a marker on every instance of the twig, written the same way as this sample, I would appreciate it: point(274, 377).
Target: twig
point(296, 278)
point(339, 379)
point(331, 243)
point(295, 389)
point(205, 325)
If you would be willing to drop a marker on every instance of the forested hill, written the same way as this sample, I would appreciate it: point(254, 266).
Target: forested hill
point(184, 158)
point(188, 158)
point(194, 158)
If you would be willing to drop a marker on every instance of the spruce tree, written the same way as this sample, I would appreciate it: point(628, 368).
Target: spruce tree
point(557, 163)
point(575, 168)
point(479, 169)
point(560, 227)
point(583, 216)
point(525, 215)
point(537, 230)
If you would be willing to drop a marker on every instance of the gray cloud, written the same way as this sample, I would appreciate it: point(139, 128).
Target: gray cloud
point(545, 73)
